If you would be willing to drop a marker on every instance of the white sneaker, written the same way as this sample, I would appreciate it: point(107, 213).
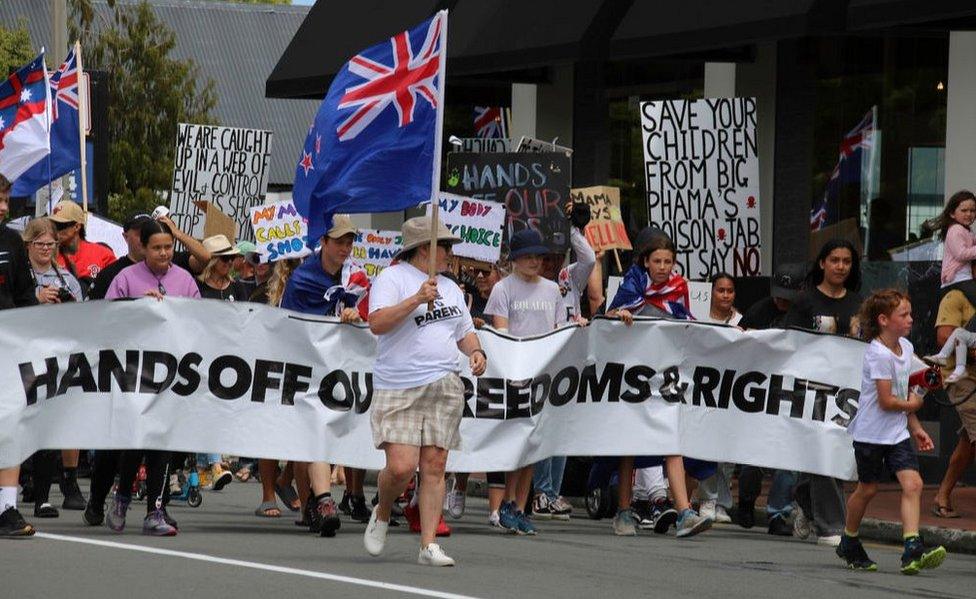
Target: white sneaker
point(707, 509)
point(955, 377)
point(829, 540)
point(374, 539)
point(433, 555)
point(936, 360)
point(454, 504)
point(802, 527)
point(722, 516)
point(494, 519)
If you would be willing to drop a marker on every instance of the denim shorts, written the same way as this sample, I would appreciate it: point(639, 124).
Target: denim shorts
point(873, 459)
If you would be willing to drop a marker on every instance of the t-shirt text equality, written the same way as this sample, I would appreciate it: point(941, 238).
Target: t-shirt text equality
point(702, 182)
point(225, 165)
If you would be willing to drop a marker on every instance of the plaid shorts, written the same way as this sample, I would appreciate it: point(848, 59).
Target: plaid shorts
point(419, 416)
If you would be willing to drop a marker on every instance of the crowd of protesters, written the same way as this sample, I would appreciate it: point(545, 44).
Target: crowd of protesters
point(418, 394)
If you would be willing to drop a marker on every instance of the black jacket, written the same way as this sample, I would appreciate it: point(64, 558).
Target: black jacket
point(16, 284)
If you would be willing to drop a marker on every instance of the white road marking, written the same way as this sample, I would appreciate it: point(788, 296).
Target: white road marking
point(258, 566)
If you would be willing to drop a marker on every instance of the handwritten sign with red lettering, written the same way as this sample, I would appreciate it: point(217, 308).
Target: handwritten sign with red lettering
point(479, 224)
point(606, 230)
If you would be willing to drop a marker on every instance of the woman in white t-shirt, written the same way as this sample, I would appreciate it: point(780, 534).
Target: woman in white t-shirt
point(418, 396)
point(715, 491)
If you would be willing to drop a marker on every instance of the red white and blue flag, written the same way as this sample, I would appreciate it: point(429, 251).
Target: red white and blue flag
point(376, 141)
point(847, 170)
point(489, 122)
point(65, 155)
point(638, 290)
point(24, 119)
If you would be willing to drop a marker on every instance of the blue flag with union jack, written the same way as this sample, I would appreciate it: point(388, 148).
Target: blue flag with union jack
point(65, 153)
point(375, 143)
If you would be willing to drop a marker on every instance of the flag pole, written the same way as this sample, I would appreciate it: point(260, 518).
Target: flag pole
point(435, 185)
point(82, 110)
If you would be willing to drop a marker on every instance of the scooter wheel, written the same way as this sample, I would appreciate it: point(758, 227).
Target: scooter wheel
point(594, 503)
point(194, 499)
point(141, 492)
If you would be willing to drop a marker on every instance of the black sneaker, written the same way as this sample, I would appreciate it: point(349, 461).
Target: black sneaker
point(13, 525)
point(344, 504)
point(642, 513)
point(45, 510)
point(746, 515)
point(918, 557)
point(73, 499)
point(851, 551)
point(778, 526)
point(358, 510)
point(94, 514)
point(664, 516)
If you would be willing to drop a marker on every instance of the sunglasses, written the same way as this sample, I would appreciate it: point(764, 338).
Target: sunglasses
point(227, 258)
point(447, 245)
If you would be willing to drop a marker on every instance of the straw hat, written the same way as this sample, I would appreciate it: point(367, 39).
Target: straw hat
point(219, 245)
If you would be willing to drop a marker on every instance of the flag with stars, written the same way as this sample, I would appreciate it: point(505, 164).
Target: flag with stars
point(25, 101)
point(65, 153)
point(375, 143)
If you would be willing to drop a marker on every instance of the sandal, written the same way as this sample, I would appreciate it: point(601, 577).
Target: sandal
point(944, 511)
point(268, 509)
point(288, 496)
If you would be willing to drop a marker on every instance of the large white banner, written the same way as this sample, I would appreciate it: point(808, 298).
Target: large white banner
point(247, 379)
point(701, 168)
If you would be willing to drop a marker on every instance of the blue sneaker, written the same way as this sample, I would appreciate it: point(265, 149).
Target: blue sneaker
point(690, 523)
point(525, 526)
point(507, 517)
point(918, 556)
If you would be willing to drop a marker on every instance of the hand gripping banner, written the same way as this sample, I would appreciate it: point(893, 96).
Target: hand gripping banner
point(247, 379)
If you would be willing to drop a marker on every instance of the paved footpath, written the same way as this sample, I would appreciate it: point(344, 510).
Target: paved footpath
point(223, 550)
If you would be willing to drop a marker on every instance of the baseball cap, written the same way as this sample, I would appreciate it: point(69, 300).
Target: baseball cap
point(135, 221)
point(66, 211)
point(787, 280)
point(341, 225)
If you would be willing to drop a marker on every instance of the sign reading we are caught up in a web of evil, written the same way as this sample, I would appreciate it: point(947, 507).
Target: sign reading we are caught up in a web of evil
point(701, 169)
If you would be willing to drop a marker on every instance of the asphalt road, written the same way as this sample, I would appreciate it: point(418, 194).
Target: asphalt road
point(223, 550)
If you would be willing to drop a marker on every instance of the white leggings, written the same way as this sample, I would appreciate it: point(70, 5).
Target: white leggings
point(959, 342)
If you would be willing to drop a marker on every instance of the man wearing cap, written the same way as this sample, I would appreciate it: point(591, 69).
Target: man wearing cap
point(421, 322)
point(86, 259)
point(327, 283)
point(16, 290)
point(130, 232)
point(770, 313)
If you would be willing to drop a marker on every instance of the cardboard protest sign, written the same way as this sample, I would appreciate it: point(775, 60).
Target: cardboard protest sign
point(103, 230)
point(373, 249)
point(223, 165)
point(606, 230)
point(479, 224)
point(702, 182)
point(481, 144)
point(533, 188)
point(530, 144)
point(280, 232)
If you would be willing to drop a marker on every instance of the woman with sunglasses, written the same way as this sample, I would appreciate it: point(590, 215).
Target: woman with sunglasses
point(53, 285)
point(215, 281)
point(155, 276)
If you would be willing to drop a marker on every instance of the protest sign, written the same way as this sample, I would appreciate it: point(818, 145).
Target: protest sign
point(606, 230)
point(224, 165)
point(702, 182)
point(479, 225)
point(373, 250)
point(299, 387)
point(530, 144)
point(103, 230)
point(280, 232)
point(533, 188)
point(482, 144)
point(700, 298)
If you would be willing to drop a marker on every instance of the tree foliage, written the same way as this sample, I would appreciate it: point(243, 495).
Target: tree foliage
point(150, 92)
point(15, 47)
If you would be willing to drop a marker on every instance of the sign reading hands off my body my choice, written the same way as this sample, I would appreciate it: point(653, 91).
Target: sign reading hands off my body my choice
point(702, 182)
